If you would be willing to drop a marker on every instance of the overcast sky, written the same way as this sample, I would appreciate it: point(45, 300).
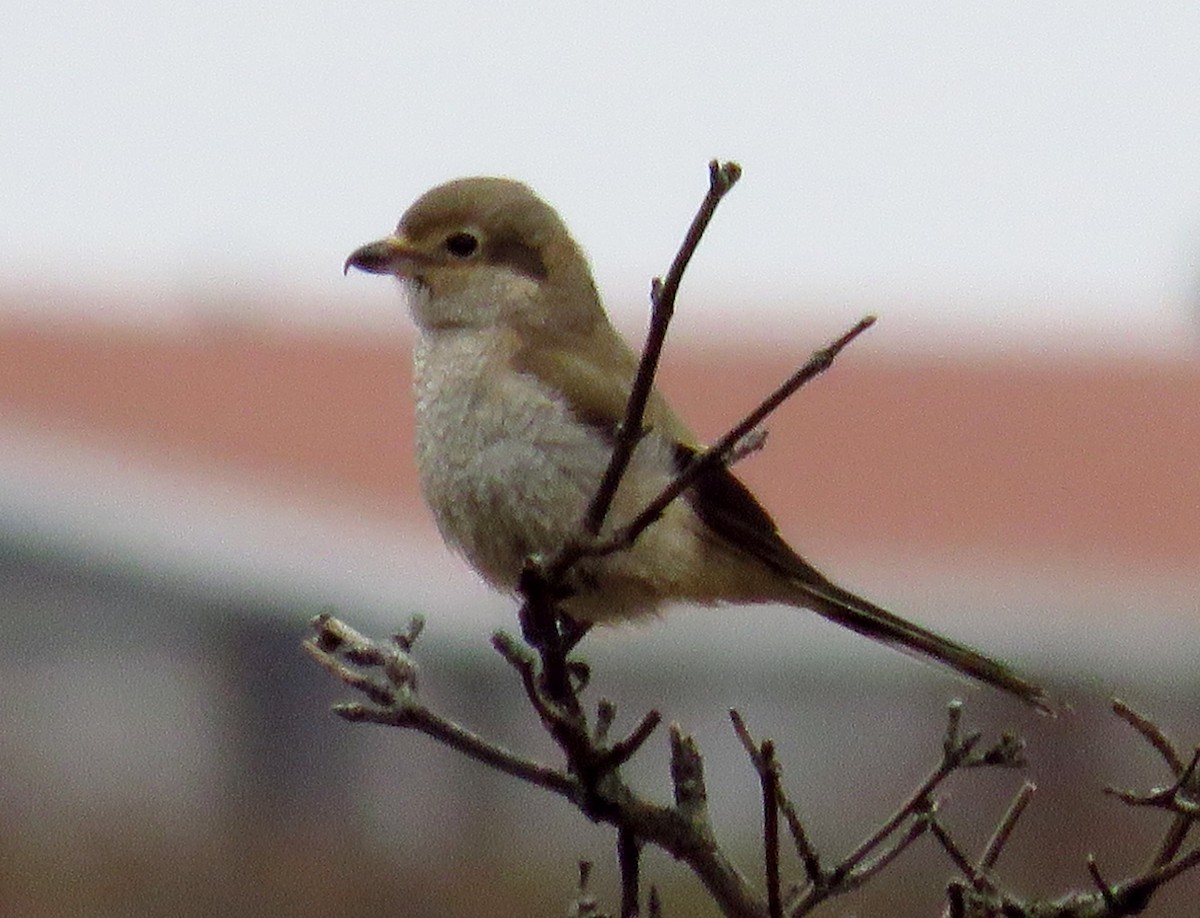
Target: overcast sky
point(1012, 166)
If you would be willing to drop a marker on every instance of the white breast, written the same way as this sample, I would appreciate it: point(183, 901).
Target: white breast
point(508, 472)
point(505, 469)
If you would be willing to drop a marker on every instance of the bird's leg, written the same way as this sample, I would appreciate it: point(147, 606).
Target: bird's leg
point(549, 632)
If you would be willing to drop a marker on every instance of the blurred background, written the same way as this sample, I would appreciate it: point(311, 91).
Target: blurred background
point(205, 429)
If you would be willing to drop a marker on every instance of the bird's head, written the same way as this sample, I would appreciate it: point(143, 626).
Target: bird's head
point(486, 252)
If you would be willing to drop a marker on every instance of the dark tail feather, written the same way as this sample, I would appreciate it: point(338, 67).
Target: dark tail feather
point(853, 612)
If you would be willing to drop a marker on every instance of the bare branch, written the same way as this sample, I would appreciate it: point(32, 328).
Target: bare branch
point(747, 446)
point(955, 752)
point(542, 582)
point(520, 660)
point(804, 847)
point(606, 715)
point(743, 734)
point(868, 868)
point(1151, 734)
point(1106, 893)
point(957, 855)
point(721, 178)
point(1174, 797)
point(386, 674)
point(1004, 830)
point(623, 751)
point(769, 775)
point(1183, 796)
point(629, 851)
point(687, 775)
point(719, 453)
point(402, 709)
point(765, 763)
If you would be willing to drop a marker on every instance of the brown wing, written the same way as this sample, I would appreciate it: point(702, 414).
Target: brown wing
point(594, 376)
point(729, 509)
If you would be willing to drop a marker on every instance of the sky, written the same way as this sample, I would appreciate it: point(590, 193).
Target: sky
point(999, 170)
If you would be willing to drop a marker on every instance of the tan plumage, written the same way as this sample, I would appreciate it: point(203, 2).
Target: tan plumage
point(520, 383)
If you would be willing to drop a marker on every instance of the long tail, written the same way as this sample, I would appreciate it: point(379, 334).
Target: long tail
point(845, 608)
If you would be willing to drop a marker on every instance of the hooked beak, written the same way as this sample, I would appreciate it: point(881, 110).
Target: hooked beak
point(390, 255)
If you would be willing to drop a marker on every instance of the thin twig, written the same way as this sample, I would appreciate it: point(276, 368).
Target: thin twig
point(621, 752)
point(518, 658)
point(747, 741)
point(956, 854)
point(719, 452)
point(376, 692)
point(869, 868)
point(1173, 840)
point(995, 844)
point(654, 906)
point(804, 847)
point(980, 881)
point(606, 714)
point(465, 741)
point(750, 444)
point(1151, 733)
point(916, 802)
point(629, 851)
point(687, 774)
point(762, 757)
point(1186, 780)
point(721, 178)
point(1162, 874)
point(769, 777)
point(1172, 797)
point(408, 637)
point(1102, 886)
point(585, 905)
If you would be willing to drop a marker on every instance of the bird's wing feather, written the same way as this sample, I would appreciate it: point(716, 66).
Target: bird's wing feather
point(594, 377)
point(732, 512)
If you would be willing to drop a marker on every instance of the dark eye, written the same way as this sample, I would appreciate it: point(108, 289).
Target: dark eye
point(461, 245)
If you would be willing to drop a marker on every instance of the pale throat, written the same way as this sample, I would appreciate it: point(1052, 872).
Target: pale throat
point(485, 297)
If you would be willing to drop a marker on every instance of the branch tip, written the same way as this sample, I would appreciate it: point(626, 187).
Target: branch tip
point(1106, 891)
point(722, 176)
point(408, 637)
point(622, 752)
point(1151, 733)
point(687, 772)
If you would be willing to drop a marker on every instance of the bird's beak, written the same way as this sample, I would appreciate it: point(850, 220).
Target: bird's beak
point(390, 255)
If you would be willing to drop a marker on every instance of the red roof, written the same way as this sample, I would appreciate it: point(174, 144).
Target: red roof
point(1089, 460)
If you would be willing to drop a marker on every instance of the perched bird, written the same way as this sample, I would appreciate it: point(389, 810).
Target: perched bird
point(520, 384)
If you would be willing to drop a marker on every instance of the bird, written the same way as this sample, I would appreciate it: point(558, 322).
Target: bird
point(520, 383)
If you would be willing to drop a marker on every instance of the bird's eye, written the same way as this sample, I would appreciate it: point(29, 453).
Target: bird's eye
point(461, 245)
